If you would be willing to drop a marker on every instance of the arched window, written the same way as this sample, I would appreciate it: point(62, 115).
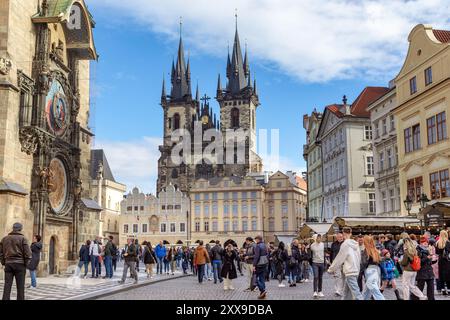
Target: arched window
point(235, 118)
point(176, 121)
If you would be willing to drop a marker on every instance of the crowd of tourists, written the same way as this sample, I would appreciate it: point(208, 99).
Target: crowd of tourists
point(362, 267)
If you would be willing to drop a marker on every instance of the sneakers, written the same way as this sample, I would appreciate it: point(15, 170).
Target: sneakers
point(321, 295)
point(262, 295)
point(281, 285)
point(231, 288)
point(306, 280)
point(120, 282)
point(315, 295)
point(338, 294)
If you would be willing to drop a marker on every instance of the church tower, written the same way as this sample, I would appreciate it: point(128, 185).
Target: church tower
point(238, 103)
point(180, 112)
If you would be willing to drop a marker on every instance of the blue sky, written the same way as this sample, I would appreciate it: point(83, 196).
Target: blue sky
point(298, 65)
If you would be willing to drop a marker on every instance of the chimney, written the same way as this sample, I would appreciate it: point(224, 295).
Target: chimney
point(347, 110)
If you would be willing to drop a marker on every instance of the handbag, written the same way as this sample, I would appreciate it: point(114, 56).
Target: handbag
point(263, 260)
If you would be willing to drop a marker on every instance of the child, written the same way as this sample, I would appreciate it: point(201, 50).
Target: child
point(388, 272)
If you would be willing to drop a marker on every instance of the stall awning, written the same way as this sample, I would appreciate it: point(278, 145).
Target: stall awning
point(285, 239)
point(376, 224)
point(319, 228)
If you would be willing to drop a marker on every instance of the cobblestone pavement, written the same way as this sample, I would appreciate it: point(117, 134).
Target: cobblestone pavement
point(76, 288)
point(188, 288)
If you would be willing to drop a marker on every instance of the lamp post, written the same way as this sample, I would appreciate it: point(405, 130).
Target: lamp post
point(423, 204)
point(408, 204)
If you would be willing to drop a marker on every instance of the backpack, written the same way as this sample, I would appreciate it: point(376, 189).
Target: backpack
point(415, 264)
point(292, 261)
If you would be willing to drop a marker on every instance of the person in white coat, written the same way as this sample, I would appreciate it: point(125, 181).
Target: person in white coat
point(349, 259)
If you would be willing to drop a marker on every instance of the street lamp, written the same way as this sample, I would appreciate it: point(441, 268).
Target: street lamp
point(408, 204)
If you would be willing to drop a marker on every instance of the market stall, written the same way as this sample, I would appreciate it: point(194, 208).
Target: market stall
point(378, 225)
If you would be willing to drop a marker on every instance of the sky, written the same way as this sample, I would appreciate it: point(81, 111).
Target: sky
point(305, 54)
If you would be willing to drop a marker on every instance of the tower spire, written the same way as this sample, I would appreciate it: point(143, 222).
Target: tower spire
point(235, 67)
point(163, 91)
point(181, 74)
point(197, 94)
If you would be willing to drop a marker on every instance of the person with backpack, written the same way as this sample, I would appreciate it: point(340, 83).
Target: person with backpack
point(114, 254)
point(425, 275)
point(370, 264)
point(84, 258)
point(293, 263)
point(260, 262)
point(443, 252)
point(216, 253)
point(94, 252)
point(410, 264)
point(318, 259)
point(130, 256)
point(149, 258)
point(279, 257)
point(186, 255)
point(388, 273)
point(248, 259)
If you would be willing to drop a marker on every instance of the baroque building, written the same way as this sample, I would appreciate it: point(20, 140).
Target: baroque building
point(385, 154)
point(235, 208)
point(154, 218)
point(238, 103)
point(347, 158)
point(45, 52)
point(312, 154)
point(422, 115)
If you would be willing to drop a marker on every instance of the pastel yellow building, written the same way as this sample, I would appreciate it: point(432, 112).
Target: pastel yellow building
point(423, 94)
point(236, 208)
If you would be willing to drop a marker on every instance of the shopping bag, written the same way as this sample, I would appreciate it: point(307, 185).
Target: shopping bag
point(254, 283)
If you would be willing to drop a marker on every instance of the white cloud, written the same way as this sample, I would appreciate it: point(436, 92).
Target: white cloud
point(274, 163)
point(312, 40)
point(133, 163)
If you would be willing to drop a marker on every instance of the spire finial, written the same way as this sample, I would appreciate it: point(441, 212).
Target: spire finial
point(181, 26)
point(236, 16)
point(344, 99)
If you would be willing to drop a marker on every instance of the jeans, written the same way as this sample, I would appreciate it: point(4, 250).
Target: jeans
point(351, 289)
point(260, 275)
point(14, 271)
point(249, 271)
point(200, 272)
point(108, 266)
point(208, 271)
point(86, 266)
point(114, 263)
point(95, 266)
point(372, 277)
point(132, 266)
point(272, 270)
point(217, 268)
point(173, 265)
point(292, 275)
point(318, 269)
point(409, 285)
point(159, 266)
point(33, 278)
point(305, 270)
point(166, 266)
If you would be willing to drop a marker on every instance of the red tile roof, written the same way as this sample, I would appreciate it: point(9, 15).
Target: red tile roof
point(442, 35)
point(335, 108)
point(301, 183)
point(366, 97)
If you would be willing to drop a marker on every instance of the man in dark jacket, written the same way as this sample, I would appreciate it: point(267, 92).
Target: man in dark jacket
point(217, 253)
point(130, 261)
point(248, 259)
point(36, 248)
point(260, 261)
point(108, 258)
point(15, 255)
point(85, 258)
point(338, 275)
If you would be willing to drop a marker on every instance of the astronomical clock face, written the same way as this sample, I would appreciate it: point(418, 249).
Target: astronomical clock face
point(57, 109)
point(57, 185)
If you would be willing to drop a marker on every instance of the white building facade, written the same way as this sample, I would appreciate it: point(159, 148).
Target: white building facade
point(385, 154)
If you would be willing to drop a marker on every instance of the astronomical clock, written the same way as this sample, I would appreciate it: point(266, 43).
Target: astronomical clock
point(50, 127)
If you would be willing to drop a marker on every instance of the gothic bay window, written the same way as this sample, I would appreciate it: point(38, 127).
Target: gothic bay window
point(413, 85)
point(26, 87)
point(235, 118)
point(428, 76)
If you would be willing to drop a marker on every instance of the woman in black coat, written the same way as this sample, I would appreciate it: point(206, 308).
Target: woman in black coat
point(36, 248)
point(425, 275)
point(280, 256)
point(228, 272)
point(149, 258)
